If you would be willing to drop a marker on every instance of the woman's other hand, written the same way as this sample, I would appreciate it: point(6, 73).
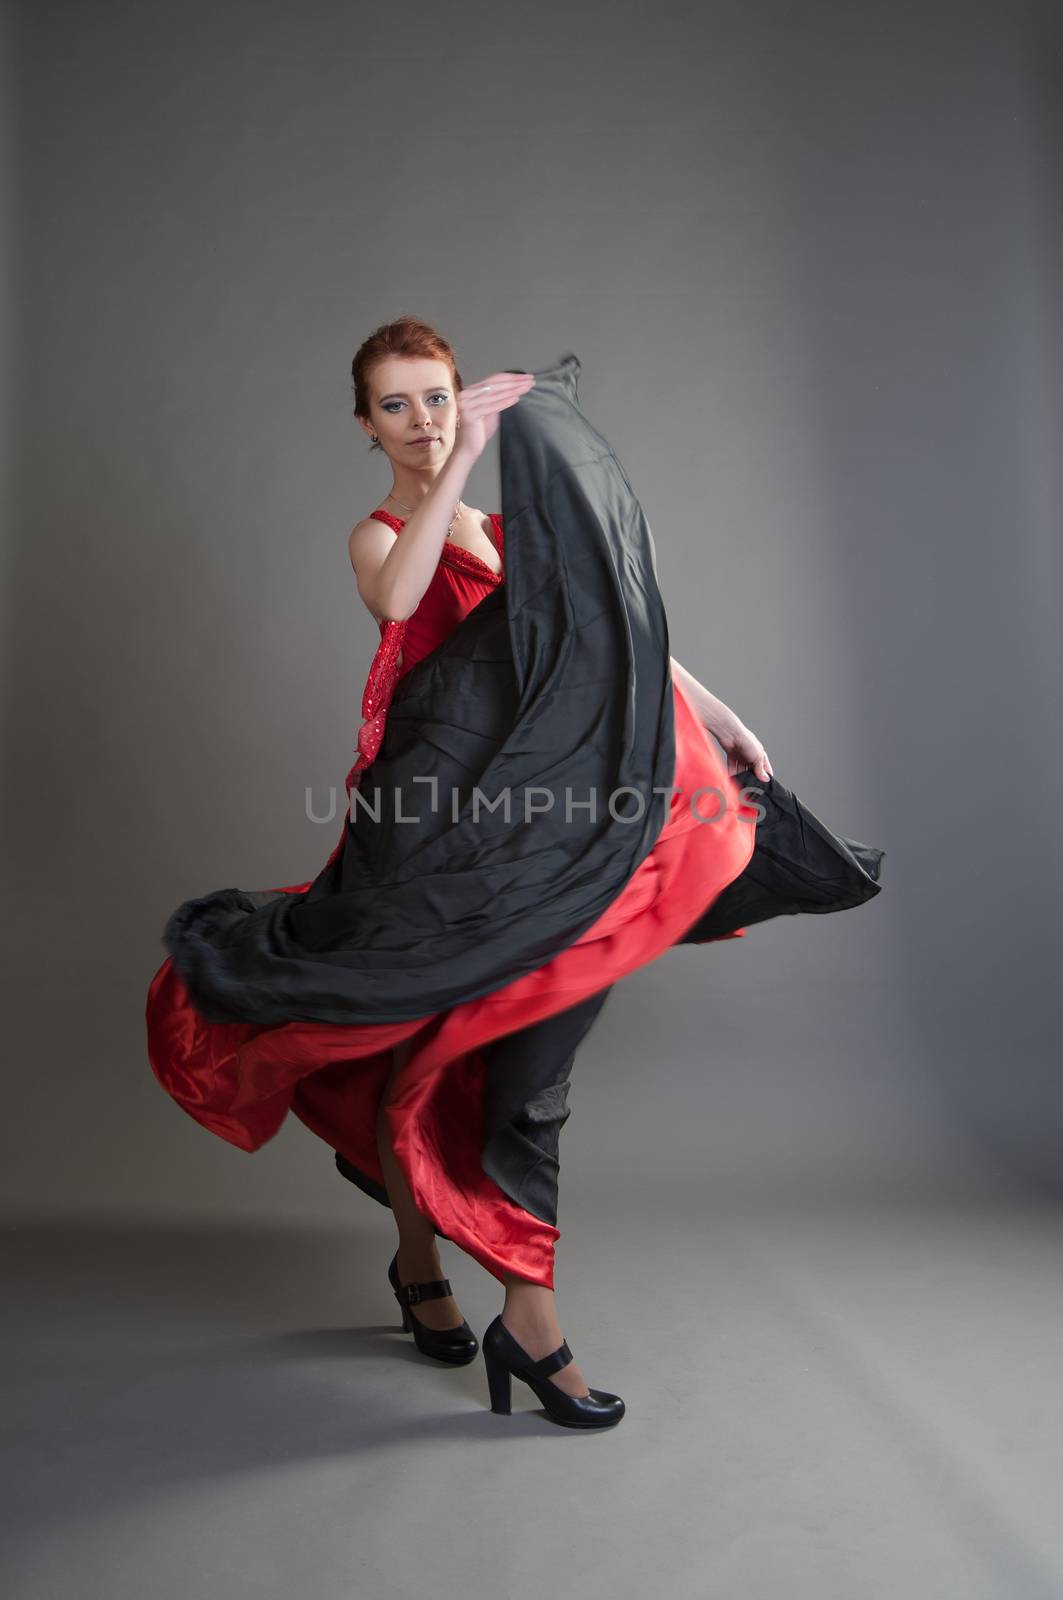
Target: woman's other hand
point(480, 404)
point(743, 749)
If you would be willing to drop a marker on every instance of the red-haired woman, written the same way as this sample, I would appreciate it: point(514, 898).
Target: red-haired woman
point(419, 1004)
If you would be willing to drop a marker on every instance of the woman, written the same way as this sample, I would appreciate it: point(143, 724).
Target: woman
point(419, 1004)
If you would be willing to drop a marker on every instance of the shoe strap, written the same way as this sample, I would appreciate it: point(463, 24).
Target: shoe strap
point(552, 1363)
point(410, 1294)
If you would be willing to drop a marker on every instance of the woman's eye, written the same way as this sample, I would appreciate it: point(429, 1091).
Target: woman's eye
point(391, 405)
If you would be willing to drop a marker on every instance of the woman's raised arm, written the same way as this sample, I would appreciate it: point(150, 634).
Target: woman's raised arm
point(394, 573)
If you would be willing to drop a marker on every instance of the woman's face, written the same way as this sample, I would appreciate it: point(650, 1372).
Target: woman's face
point(413, 398)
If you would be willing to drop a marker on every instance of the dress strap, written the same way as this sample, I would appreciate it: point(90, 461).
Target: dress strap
point(394, 523)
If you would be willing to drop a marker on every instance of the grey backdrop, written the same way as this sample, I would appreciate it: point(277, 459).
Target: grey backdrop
point(810, 261)
point(809, 254)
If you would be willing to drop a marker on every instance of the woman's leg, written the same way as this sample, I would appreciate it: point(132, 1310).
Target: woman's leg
point(530, 1314)
point(418, 1258)
point(527, 1105)
point(526, 1083)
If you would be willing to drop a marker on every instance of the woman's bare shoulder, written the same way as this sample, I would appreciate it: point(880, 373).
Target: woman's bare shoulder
point(370, 533)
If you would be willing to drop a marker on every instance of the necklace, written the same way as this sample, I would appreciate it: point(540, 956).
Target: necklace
point(405, 507)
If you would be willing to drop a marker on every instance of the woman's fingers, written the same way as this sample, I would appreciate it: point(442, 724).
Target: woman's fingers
point(501, 380)
point(499, 390)
point(480, 404)
point(489, 394)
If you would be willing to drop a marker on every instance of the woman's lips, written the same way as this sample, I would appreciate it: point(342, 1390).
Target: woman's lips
point(419, 444)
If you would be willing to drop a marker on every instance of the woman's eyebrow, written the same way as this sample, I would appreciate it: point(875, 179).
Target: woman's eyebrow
point(433, 388)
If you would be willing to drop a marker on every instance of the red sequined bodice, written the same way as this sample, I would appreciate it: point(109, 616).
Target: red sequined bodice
point(459, 583)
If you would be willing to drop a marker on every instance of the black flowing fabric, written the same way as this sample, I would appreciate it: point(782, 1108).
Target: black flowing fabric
point(527, 1082)
point(554, 689)
point(798, 866)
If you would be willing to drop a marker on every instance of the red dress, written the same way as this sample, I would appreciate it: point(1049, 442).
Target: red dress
point(240, 1080)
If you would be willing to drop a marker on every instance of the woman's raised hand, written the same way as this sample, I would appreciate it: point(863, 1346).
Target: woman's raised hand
point(480, 404)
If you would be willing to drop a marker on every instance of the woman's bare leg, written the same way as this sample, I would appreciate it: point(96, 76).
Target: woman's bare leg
point(530, 1315)
point(418, 1259)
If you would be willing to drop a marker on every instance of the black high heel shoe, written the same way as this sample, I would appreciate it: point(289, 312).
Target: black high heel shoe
point(456, 1345)
point(505, 1359)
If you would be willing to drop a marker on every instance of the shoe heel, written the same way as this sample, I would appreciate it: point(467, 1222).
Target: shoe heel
point(405, 1320)
point(499, 1385)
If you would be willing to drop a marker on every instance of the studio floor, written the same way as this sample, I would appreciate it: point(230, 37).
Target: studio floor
point(833, 1397)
